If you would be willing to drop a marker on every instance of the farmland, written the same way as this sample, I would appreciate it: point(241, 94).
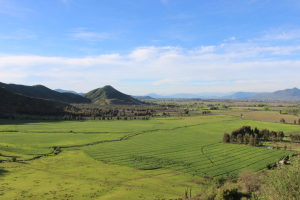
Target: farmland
point(133, 159)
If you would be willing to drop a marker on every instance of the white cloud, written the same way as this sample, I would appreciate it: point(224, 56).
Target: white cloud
point(203, 49)
point(150, 69)
point(282, 35)
point(229, 39)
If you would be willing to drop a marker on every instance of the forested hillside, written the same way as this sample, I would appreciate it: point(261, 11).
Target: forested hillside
point(109, 95)
point(11, 103)
point(43, 92)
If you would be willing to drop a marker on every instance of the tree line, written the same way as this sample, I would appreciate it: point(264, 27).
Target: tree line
point(248, 136)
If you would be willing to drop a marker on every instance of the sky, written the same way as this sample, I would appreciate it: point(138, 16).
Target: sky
point(151, 46)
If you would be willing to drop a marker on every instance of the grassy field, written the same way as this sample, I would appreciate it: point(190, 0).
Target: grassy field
point(133, 159)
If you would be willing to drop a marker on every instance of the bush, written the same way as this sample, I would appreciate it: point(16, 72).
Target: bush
point(282, 120)
point(251, 182)
point(227, 194)
point(283, 183)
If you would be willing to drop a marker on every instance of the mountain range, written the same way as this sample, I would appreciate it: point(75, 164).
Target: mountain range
point(108, 95)
point(40, 91)
point(207, 95)
point(280, 95)
point(16, 103)
point(105, 95)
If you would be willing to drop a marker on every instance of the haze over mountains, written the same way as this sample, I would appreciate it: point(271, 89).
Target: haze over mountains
point(69, 91)
point(207, 95)
point(280, 95)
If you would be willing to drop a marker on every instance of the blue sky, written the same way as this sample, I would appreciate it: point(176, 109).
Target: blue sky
point(151, 46)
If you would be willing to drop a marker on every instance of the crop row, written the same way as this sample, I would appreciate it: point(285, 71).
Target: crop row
point(190, 151)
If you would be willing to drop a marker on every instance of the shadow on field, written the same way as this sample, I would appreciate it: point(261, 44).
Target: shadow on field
point(3, 172)
point(24, 121)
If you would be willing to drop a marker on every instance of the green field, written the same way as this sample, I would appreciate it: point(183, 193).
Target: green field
point(134, 159)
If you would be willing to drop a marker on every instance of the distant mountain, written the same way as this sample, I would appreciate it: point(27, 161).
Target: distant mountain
point(68, 91)
point(183, 95)
point(205, 95)
point(173, 96)
point(109, 95)
point(280, 95)
point(11, 103)
point(240, 95)
point(40, 91)
point(214, 95)
point(142, 97)
point(155, 96)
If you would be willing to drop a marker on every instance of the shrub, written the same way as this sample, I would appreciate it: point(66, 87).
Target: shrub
point(284, 182)
point(282, 120)
point(227, 194)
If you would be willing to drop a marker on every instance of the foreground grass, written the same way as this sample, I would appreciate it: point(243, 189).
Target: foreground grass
point(159, 158)
point(74, 175)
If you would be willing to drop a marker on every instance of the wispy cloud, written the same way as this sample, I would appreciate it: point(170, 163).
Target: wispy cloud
point(164, 81)
point(84, 34)
point(19, 34)
point(165, 1)
point(280, 34)
point(11, 8)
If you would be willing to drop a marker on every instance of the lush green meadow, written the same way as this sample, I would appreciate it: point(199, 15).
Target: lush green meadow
point(134, 159)
point(196, 149)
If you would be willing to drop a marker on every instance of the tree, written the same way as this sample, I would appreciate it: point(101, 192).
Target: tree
point(256, 131)
point(239, 139)
point(265, 133)
point(282, 121)
point(255, 140)
point(246, 138)
point(226, 138)
point(273, 135)
point(280, 136)
point(251, 140)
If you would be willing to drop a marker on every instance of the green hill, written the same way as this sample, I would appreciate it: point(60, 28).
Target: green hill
point(11, 103)
point(111, 96)
point(40, 91)
point(280, 95)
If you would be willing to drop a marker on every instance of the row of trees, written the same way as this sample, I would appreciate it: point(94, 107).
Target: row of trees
point(295, 137)
point(246, 135)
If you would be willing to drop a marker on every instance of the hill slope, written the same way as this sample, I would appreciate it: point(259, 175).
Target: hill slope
point(109, 95)
point(280, 95)
point(240, 95)
point(40, 91)
point(16, 103)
